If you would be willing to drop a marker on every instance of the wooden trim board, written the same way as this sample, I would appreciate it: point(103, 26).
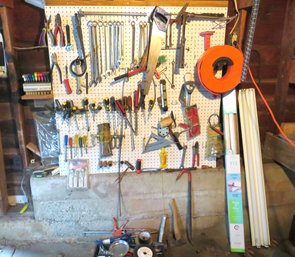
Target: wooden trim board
point(279, 150)
point(204, 3)
point(3, 187)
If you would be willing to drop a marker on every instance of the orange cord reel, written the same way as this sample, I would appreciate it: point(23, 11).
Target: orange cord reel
point(214, 59)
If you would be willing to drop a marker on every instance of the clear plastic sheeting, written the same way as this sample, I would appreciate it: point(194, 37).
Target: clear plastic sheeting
point(47, 136)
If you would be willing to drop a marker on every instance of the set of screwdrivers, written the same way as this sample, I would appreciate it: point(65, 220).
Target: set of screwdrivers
point(76, 144)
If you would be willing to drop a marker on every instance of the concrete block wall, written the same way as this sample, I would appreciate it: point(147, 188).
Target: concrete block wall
point(60, 213)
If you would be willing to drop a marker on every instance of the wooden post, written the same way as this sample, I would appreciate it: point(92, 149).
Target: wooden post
point(287, 51)
point(3, 187)
point(17, 108)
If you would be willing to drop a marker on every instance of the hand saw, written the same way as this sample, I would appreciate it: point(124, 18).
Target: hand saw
point(160, 21)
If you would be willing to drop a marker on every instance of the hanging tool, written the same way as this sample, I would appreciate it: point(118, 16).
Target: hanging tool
point(163, 158)
point(66, 138)
point(58, 29)
point(81, 145)
point(195, 155)
point(71, 146)
point(104, 138)
point(163, 96)
point(207, 35)
point(122, 112)
point(46, 34)
point(81, 59)
point(85, 103)
point(129, 108)
point(189, 222)
point(136, 108)
point(186, 90)
point(85, 143)
point(76, 144)
point(155, 143)
point(159, 22)
point(167, 123)
point(215, 126)
point(173, 72)
point(55, 64)
point(181, 166)
point(68, 34)
point(67, 83)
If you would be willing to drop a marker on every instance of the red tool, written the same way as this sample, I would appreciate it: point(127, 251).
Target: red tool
point(118, 231)
point(67, 83)
point(189, 224)
point(130, 73)
point(207, 35)
point(71, 146)
point(122, 111)
point(196, 155)
point(58, 29)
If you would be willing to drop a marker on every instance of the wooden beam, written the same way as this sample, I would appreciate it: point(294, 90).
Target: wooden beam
point(279, 150)
point(292, 72)
point(7, 3)
point(17, 108)
point(3, 187)
point(287, 50)
point(206, 3)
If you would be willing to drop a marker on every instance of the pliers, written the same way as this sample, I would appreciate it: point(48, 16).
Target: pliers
point(46, 33)
point(58, 28)
point(54, 63)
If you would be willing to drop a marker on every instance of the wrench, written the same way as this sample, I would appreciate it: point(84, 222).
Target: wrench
point(107, 71)
point(133, 44)
point(98, 77)
point(183, 157)
point(173, 70)
point(91, 25)
point(111, 43)
point(78, 83)
point(100, 48)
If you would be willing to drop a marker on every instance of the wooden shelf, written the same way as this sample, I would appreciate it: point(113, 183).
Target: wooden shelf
point(36, 97)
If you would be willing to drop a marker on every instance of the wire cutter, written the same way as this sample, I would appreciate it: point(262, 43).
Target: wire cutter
point(46, 33)
point(58, 29)
point(55, 64)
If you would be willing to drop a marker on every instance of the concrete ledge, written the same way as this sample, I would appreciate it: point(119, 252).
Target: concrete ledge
point(146, 197)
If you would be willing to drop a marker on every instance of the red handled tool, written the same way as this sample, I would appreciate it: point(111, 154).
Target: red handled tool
point(58, 29)
point(67, 83)
point(122, 112)
point(196, 155)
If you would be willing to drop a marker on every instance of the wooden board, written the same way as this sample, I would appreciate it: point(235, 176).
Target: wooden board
point(3, 188)
point(279, 150)
point(212, 3)
point(289, 129)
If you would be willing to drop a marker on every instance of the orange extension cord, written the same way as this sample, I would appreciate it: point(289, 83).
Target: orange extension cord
point(270, 111)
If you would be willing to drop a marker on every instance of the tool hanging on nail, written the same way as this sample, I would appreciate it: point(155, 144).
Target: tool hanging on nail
point(217, 58)
point(55, 64)
point(104, 139)
point(68, 34)
point(159, 23)
point(47, 34)
point(67, 82)
point(58, 29)
point(122, 112)
point(81, 59)
point(163, 96)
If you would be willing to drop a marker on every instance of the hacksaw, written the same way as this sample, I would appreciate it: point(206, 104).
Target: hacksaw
point(160, 21)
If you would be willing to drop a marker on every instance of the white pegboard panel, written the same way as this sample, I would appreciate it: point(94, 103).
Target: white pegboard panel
point(207, 104)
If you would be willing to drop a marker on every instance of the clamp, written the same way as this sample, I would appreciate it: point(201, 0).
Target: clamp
point(55, 64)
point(58, 29)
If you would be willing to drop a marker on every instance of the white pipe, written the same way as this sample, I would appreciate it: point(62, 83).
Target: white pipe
point(248, 148)
point(266, 237)
point(250, 193)
point(254, 169)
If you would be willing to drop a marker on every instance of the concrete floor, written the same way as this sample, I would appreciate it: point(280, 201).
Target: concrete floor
point(207, 248)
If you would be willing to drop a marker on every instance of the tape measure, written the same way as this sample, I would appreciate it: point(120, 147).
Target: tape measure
point(226, 58)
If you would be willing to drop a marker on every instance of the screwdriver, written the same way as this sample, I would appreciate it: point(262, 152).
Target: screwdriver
point(76, 143)
point(92, 110)
point(65, 146)
point(81, 145)
point(85, 109)
point(85, 142)
point(71, 146)
point(121, 110)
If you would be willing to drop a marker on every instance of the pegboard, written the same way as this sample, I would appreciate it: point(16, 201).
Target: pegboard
point(206, 103)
